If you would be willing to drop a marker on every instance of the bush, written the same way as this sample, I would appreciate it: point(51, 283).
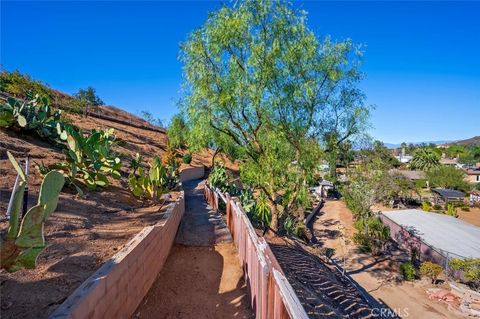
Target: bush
point(437, 207)
point(466, 208)
point(293, 228)
point(451, 210)
point(408, 271)
point(430, 270)
point(421, 183)
point(372, 234)
point(448, 177)
point(470, 268)
point(187, 158)
point(218, 176)
point(426, 206)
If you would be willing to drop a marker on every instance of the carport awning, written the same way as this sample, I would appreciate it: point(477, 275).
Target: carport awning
point(448, 193)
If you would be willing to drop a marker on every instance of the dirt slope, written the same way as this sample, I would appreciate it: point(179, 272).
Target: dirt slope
point(83, 232)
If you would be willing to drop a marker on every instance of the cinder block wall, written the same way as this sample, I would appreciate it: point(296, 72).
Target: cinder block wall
point(116, 289)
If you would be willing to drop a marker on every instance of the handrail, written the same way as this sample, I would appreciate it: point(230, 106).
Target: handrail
point(271, 295)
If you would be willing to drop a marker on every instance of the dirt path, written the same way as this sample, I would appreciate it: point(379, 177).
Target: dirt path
point(202, 277)
point(378, 276)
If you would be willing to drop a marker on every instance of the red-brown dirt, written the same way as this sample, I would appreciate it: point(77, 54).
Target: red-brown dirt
point(83, 232)
point(203, 277)
point(379, 276)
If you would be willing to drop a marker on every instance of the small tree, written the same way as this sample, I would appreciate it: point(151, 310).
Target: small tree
point(177, 131)
point(430, 270)
point(87, 99)
point(268, 86)
point(151, 119)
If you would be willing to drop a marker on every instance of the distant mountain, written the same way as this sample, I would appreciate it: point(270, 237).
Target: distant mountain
point(392, 145)
point(470, 141)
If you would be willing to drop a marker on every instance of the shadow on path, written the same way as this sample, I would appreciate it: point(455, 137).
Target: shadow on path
point(200, 226)
point(202, 277)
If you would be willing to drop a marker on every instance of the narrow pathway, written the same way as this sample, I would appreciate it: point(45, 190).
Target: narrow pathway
point(202, 277)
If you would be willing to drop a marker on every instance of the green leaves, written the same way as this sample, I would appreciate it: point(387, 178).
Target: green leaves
point(266, 90)
point(33, 115)
point(23, 243)
point(90, 159)
point(159, 179)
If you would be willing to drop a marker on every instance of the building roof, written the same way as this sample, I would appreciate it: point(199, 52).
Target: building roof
point(473, 171)
point(409, 174)
point(448, 161)
point(448, 193)
point(443, 232)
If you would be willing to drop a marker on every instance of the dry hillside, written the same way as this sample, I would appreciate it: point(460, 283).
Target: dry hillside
point(83, 232)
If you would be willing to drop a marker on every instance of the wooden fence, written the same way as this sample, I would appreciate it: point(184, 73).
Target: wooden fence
point(271, 295)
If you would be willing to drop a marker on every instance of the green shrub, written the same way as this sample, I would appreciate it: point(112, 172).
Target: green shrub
point(90, 159)
point(408, 271)
point(437, 207)
point(465, 208)
point(187, 158)
point(262, 210)
point(426, 206)
point(372, 234)
point(451, 211)
point(363, 241)
point(19, 85)
point(157, 181)
point(218, 176)
point(420, 183)
point(430, 270)
point(470, 268)
point(293, 227)
point(34, 115)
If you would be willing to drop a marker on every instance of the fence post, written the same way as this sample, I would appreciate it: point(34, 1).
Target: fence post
point(446, 264)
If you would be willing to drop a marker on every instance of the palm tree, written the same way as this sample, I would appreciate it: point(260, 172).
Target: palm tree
point(425, 159)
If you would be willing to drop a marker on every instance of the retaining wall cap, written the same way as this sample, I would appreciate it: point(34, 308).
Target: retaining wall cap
point(98, 278)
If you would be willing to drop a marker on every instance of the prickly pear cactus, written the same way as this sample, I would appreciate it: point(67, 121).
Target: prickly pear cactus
point(25, 240)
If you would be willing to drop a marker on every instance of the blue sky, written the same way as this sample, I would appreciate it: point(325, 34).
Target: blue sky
point(422, 59)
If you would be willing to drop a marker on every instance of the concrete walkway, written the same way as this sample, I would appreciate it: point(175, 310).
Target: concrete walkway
point(202, 277)
point(200, 225)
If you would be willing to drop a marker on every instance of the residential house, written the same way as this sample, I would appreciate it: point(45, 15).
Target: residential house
point(473, 175)
point(446, 195)
point(411, 175)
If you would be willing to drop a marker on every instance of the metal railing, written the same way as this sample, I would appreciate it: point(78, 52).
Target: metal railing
point(271, 295)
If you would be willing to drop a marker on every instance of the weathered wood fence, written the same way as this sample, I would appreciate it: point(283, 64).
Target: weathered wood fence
point(271, 295)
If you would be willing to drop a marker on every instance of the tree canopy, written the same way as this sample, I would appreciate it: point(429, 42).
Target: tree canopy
point(448, 177)
point(425, 159)
point(258, 81)
point(89, 95)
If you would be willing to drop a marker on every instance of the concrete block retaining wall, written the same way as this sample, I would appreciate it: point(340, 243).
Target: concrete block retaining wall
point(116, 289)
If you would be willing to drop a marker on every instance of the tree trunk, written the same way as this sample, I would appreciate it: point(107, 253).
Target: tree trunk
point(217, 150)
point(274, 222)
point(333, 167)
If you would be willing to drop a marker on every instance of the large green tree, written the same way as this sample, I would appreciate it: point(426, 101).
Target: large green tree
point(273, 91)
point(448, 177)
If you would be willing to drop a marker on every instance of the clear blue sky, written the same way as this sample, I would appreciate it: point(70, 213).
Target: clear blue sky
point(422, 58)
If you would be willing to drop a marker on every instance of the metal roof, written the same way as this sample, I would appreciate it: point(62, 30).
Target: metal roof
point(449, 193)
point(444, 233)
